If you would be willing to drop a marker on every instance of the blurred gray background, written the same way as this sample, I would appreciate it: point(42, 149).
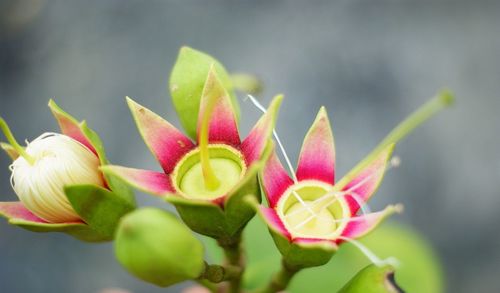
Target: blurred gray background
point(370, 62)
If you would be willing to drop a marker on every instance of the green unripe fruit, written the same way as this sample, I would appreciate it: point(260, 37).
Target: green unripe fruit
point(156, 247)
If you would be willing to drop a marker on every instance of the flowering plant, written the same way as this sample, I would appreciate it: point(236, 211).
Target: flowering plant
point(65, 184)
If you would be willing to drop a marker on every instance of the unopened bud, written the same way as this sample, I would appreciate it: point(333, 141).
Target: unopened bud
point(157, 248)
point(59, 161)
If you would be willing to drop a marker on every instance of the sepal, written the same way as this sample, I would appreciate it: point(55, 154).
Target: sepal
point(99, 208)
point(20, 216)
point(156, 247)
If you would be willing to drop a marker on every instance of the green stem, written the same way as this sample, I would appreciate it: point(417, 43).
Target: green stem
point(10, 137)
point(280, 280)
point(208, 285)
point(439, 102)
point(234, 256)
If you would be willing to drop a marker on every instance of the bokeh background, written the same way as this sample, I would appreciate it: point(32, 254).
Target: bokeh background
point(370, 62)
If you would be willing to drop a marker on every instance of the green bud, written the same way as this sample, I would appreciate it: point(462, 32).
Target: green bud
point(186, 85)
point(156, 247)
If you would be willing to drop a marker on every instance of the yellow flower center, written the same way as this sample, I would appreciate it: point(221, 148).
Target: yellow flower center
point(309, 209)
point(228, 166)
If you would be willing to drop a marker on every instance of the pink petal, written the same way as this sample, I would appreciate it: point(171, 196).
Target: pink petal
point(275, 180)
point(317, 157)
point(363, 186)
point(273, 221)
point(157, 183)
point(255, 143)
point(70, 126)
point(166, 143)
point(16, 210)
point(362, 225)
point(223, 127)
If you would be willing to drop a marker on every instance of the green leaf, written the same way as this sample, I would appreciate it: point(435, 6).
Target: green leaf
point(372, 279)
point(156, 247)
point(100, 208)
point(186, 85)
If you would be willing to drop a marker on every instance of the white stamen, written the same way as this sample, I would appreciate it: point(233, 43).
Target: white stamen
point(59, 161)
point(372, 256)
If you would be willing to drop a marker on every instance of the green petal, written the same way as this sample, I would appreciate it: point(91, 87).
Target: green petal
point(373, 279)
point(186, 85)
point(100, 208)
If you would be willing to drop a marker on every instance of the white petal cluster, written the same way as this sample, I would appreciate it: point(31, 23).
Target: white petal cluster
point(59, 161)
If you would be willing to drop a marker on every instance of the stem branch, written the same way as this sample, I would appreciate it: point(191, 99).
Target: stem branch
point(234, 255)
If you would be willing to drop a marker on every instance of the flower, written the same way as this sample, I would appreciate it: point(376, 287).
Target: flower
point(308, 209)
point(205, 179)
point(309, 215)
point(58, 160)
point(56, 177)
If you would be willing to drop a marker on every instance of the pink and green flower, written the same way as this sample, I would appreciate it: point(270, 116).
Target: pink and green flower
point(309, 214)
point(207, 178)
point(98, 208)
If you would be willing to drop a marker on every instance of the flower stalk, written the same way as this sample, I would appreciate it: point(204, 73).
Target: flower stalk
point(234, 257)
point(280, 280)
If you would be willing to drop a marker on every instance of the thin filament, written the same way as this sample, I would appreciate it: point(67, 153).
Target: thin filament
point(371, 255)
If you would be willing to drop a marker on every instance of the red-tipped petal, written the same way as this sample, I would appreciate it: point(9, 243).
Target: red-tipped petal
point(275, 180)
point(16, 210)
point(166, 143)
point(362, 225)
point(157, 183)
point(222, 125)
point(317, 156)
point(70, 126)
point(273, 221)
point(255, 143)
point(364, 185)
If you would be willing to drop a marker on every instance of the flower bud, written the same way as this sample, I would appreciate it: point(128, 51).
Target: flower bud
point(58, 161)
point(156, 247)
